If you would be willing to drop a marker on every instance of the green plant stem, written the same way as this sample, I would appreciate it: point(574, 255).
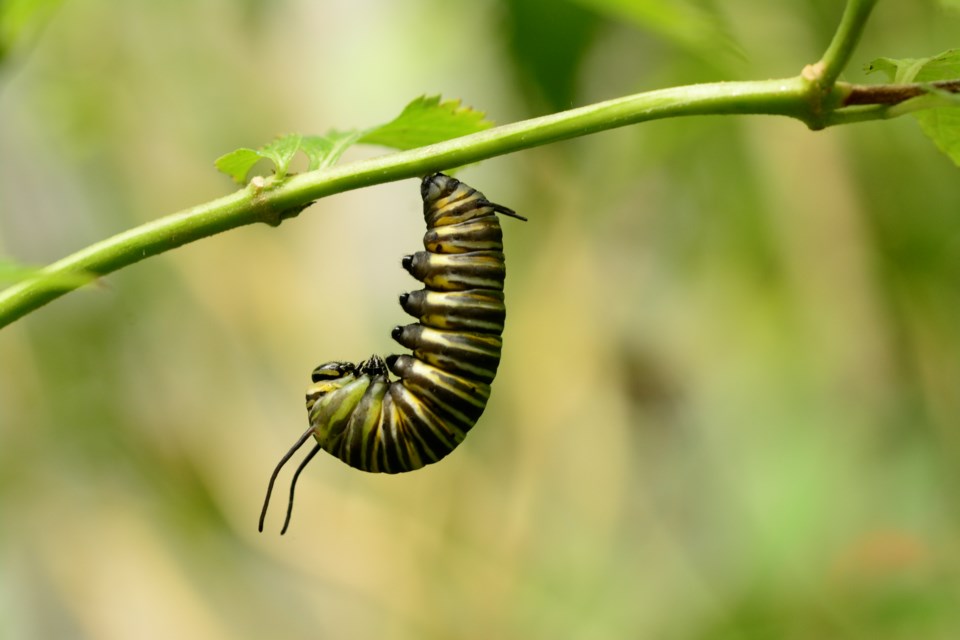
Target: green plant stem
point(845, 40)
point(810, 97)
point(271, 201)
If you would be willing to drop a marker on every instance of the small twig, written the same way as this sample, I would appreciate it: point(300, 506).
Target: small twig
point(837, 55)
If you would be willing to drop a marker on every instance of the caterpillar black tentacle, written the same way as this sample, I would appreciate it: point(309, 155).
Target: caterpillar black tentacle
point(361, 416)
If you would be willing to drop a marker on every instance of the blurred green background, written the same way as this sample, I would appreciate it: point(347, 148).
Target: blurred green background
point(729, 400)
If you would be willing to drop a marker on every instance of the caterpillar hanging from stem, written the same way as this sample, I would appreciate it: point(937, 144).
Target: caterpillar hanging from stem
point(374, 424)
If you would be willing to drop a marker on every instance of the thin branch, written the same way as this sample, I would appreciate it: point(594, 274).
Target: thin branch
point(272, 203)
point(845, 40)
point(814, 97)
point(860, 113)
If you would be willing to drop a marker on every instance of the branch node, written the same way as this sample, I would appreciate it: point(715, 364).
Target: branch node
point(813, 73)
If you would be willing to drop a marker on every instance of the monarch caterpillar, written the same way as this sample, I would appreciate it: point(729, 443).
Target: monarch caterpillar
point(374, 424)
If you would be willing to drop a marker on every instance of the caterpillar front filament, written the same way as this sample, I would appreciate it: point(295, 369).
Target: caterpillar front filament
point(374, 424)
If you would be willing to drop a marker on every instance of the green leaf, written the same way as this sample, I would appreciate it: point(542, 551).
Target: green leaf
point(425, 121)
point(281, 152)
point(899, 71)
point(942, 125)
point(237, 164)
point(324, 151)
point(945, 66)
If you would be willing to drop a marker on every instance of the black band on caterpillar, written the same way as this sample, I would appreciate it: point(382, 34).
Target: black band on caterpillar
point(374, 424)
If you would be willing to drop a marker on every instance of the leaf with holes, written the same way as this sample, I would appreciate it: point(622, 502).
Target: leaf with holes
point(426, 120)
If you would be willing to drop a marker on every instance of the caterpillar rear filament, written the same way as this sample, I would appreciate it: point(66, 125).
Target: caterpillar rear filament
point(374, 424)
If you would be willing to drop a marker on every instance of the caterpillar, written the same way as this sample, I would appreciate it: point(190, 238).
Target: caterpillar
point(357, 413)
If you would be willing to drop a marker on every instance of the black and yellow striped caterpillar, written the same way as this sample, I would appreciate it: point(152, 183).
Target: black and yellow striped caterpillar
point(374, 424)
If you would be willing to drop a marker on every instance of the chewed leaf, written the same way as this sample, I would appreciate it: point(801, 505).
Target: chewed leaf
point(901, 71)
point(945, 66)
point(237, 164)
point(942, 125)
point(425, 121)
point(321, 151)
point(281, 152)
point(324, 151)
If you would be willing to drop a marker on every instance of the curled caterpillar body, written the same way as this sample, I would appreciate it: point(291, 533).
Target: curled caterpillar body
point(361, 416)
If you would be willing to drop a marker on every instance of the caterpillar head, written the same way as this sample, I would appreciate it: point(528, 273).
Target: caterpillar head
point(437, 186)
point(446, 201)
point(333, 370)
point(329, 377)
